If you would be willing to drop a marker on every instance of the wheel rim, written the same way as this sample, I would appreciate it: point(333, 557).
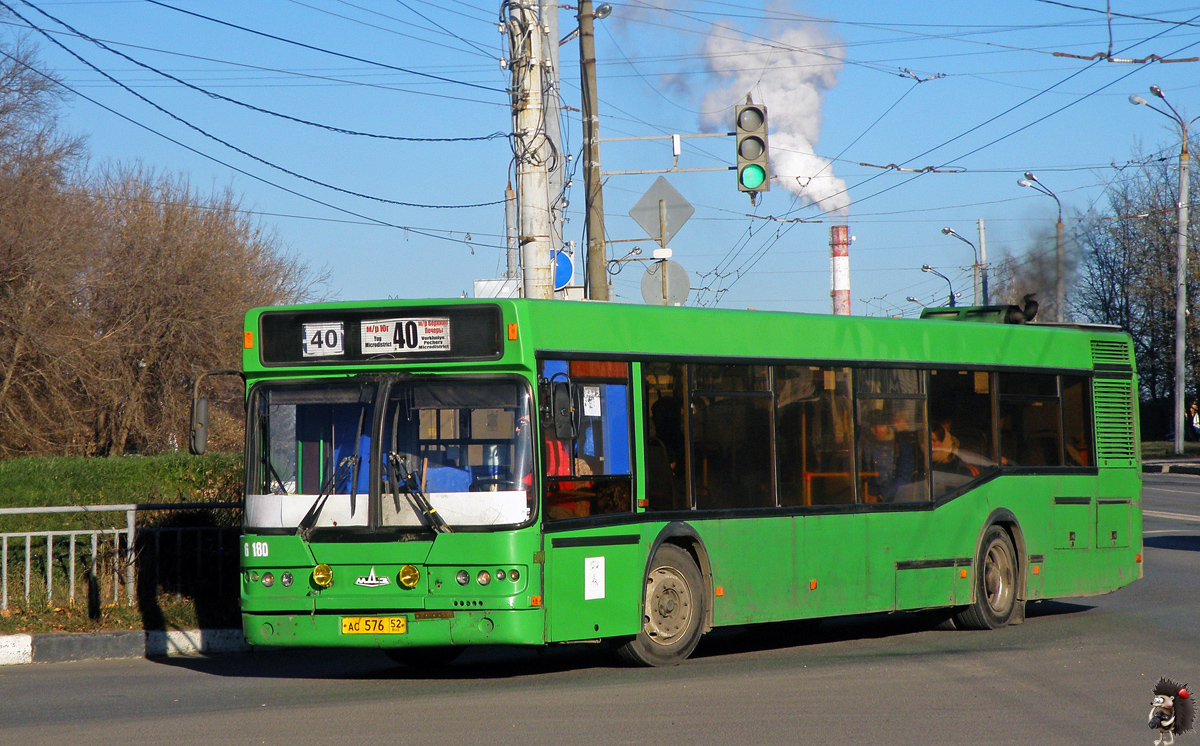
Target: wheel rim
point(668, 605)
point(999, 578)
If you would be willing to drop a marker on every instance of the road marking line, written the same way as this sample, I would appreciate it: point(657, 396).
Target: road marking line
point(1173, 516)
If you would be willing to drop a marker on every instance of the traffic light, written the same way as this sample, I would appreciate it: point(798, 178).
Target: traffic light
point(753, 172)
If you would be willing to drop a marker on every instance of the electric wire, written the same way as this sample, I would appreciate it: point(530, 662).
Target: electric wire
point(252, 107)
point(229, 145)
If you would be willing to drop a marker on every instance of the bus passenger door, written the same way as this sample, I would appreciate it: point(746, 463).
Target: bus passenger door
point(595, 566)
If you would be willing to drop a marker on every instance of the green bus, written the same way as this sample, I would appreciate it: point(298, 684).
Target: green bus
point(428, 475)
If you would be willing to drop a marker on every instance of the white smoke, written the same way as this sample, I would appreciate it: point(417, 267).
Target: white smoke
point(789, 73)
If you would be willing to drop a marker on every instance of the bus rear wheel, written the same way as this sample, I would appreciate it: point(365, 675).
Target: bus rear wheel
point(673, 611)
point(996, 572)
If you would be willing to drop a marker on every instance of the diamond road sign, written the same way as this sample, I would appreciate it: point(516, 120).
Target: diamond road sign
point(673, 211)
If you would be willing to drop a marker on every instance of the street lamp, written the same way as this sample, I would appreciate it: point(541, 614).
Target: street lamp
point(1059, 301)
point(979, 268)
point(1181, 227)
point(931, 270)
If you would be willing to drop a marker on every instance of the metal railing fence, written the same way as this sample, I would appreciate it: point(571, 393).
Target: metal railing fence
point(46, 565)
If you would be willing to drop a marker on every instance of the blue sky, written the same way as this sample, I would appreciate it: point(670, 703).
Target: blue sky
point(973, 90)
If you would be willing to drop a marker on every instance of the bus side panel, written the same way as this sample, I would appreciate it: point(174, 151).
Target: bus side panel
point(832, 571)
point(751, 563)
point(594, 583)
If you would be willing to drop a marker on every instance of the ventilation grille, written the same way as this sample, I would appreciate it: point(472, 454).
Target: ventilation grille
point(1116, 444)
point(1105, 352)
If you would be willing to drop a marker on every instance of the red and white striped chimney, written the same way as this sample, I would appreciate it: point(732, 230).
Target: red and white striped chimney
point(839, 268)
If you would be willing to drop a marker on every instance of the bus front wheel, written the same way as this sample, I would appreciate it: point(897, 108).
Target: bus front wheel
point(673, 611)
point(996, 573)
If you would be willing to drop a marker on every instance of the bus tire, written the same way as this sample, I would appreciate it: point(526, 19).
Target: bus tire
point(996, 573)
point(424, 659)
point(673, 611)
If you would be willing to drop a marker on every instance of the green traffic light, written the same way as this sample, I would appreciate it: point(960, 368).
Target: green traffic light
point(753, 176)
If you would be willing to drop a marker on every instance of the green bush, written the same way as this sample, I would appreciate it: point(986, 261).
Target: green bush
point(77, 480)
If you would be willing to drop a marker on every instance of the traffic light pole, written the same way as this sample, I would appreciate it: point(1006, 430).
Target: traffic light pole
point(532, 151)
point(597, 255)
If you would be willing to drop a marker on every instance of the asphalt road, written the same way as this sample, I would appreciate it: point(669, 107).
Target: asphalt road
point(1076, 672)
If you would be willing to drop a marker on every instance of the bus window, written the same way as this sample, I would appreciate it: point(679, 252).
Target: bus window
point(664, 391)
point(1030, 424)
point(892, 434)
point(592, 474)
point(1077, 420)
point(466, 444)
point(960, 428)
point(814, 435)
point(308, 442)
point(730, 437)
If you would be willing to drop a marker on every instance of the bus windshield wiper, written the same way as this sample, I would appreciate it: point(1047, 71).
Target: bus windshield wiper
point(310, 518)
point(350, 463)
point(402, 476)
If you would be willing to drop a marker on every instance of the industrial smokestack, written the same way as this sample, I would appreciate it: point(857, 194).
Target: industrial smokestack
point(839, 269)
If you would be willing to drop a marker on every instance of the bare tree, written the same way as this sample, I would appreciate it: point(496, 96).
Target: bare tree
point(117, 288)
point(1129, 253)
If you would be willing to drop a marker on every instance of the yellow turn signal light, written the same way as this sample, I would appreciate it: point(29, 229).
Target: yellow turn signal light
point(408, 576)
point(323, 575)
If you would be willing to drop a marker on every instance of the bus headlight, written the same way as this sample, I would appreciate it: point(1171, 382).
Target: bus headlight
point(463, 577)
point(408, 576)
point(268, 580)
point(323, 575)
point(484, 577)
point(286, 579)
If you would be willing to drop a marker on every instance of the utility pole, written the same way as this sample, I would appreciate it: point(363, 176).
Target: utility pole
point(597, 255)
point(552, 101)
point(531, 150)
point(983, 267)
point(513, 270)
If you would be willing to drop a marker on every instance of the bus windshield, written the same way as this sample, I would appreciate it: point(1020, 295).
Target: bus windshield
point(452, 453)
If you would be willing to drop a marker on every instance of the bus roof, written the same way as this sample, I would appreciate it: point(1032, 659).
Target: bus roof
point(526, 327)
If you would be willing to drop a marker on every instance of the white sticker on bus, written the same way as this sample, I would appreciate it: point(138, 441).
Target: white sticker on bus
point(405, 335)
point(591, 401)
point(593, 578)
point(324, 340)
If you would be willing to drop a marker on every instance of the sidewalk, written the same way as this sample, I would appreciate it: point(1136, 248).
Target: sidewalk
point(60, 647)
point(1171, 466)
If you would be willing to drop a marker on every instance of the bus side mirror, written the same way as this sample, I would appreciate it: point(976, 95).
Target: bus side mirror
point(562, 404)
point(199, 438)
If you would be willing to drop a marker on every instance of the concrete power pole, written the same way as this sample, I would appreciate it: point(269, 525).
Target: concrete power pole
point(597, 257)
point(531, 149)
point(552, 102)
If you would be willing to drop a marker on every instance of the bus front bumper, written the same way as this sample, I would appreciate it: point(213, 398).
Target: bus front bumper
point(421, 629)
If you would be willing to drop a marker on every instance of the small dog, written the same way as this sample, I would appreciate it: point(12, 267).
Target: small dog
point(1171, 711)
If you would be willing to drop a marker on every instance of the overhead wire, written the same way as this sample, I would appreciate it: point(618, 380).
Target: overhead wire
point(218, 161)
point(331, 52)
point(252, 107)
point(227, 144)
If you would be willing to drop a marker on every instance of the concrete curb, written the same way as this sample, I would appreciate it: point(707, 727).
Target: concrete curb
point(57, 648)
point(1161, 468)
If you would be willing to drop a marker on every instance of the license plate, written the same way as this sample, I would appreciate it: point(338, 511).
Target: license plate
point(374, 625)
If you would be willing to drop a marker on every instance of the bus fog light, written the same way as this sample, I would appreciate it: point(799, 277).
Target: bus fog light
point(286, 579)
point(501, 575)
point(463, 577)
point(484, 577)
point(254, 576)
point(268, 580)
point(322, 575)
point(513, 575)
point(408, 576)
